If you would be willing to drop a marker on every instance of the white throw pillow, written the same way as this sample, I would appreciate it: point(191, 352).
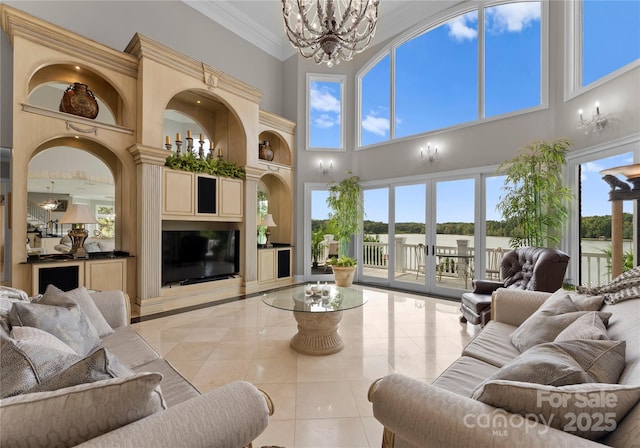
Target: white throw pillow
point(588, 410)
point(36, 336)
point(76, 414)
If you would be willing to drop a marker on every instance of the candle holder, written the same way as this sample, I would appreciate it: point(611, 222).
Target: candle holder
point(168, 146)
point(219, 153)
point(189, 144)
point(201, 150)
point(178, 146)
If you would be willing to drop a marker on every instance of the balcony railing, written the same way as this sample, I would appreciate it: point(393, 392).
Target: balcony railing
point(455, 265)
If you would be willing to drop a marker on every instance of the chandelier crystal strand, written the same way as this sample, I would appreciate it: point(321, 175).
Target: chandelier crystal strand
point(330, 30)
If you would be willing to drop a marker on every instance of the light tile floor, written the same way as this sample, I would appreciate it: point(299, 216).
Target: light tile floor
point(319, 401)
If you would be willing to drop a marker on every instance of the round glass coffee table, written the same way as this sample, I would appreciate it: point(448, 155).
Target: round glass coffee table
point(318, 314)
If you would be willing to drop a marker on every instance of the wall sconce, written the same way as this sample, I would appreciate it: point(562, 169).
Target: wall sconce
point(325, 170)
point(596, 123)
point(430, 156)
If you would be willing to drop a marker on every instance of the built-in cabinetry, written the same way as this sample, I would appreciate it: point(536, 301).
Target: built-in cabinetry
point(99, 274)
point(186, 194)
point(137, 86)
point(274, 265)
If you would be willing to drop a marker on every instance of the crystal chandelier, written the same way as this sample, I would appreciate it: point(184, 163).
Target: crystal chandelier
point(51, 203)
point(330, 31)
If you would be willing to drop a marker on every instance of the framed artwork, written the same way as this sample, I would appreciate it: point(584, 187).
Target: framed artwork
point(62, 205)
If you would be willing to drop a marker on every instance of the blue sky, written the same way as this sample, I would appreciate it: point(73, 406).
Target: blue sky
point(446, 57)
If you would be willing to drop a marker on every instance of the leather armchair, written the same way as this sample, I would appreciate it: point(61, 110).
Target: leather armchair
point(527, 268)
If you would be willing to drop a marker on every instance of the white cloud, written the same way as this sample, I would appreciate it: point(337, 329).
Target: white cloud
point(324, 101)
point(512, 17)
point(591, 167)
point(459, 28)
point(324, 121)
point(376, 125)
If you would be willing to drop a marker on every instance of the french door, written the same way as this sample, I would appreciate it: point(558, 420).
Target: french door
point(421, 235)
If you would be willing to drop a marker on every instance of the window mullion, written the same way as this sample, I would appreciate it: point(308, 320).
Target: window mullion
point(392, 94)
point(481, 62)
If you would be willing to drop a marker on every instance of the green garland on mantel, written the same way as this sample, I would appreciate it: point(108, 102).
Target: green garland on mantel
point(217, 166)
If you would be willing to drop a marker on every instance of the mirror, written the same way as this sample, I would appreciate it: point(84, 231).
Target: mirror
point(67, 176)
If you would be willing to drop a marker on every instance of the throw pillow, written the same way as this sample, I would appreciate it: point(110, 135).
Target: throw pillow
point(13, 293)
point(586, 410)
point(67, 322)
point(53, 295)
point(625, 286)
point(564, 363)
point(24, 366)
point(588, 326)
point(100, 365)
point(76, 414)
point(555, 314)
point(39, 337)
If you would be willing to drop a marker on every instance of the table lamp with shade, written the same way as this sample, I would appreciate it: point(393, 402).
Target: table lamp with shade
point(267, 221)
point(78, 215)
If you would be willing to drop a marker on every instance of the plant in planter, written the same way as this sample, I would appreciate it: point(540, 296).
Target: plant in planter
point(189, 161)
point(535, 198)
point(317, 239)
point(346, 207)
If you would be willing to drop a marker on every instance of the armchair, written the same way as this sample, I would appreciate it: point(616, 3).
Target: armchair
point(528, 268)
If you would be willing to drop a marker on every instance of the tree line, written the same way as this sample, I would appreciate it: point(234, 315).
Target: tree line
point(596, 227)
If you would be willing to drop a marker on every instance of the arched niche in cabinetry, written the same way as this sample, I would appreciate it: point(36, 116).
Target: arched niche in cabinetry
point(280, 205)
point(46, 89)
point(74, 180)
point(201, 112)
point(281, 151)
point(48, 84)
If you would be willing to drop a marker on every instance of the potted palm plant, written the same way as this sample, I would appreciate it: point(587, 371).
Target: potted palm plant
point(535, 198)
point(346, 211)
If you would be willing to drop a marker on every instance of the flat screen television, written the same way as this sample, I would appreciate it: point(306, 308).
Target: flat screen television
point(193, 256)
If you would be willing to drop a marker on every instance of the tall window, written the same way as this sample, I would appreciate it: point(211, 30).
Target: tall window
point(610, 37)
point(437, 77)
point(105, 214)
point(511, 57)
point(376, 103)
point(325, 109)
point(434, 78)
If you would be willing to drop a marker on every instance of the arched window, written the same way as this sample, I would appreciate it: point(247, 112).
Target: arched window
point(477, 63)
point(603, 41)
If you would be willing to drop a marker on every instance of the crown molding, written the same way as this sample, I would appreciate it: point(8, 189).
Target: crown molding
point(230, 17)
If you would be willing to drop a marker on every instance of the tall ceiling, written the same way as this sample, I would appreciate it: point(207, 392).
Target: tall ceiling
point(260, 21)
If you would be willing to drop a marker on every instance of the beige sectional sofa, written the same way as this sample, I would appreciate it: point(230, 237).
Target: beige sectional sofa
point(151, 405)
point(590, 413)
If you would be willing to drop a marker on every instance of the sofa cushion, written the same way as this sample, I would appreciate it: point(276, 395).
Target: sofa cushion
point(66, 321)
point(625, 324)
point(24, 366)
point(36, 336)
point(555, 314)
point(493, 344)
point(564, 363)
point(75, 414)
point(129, 347)
point(81, 297)
point(100, 365)
point(588, 326)
point(464, 375)
point(175, 388)
point(586, 410)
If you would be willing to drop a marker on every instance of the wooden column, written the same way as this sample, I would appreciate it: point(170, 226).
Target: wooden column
point(616, 238)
